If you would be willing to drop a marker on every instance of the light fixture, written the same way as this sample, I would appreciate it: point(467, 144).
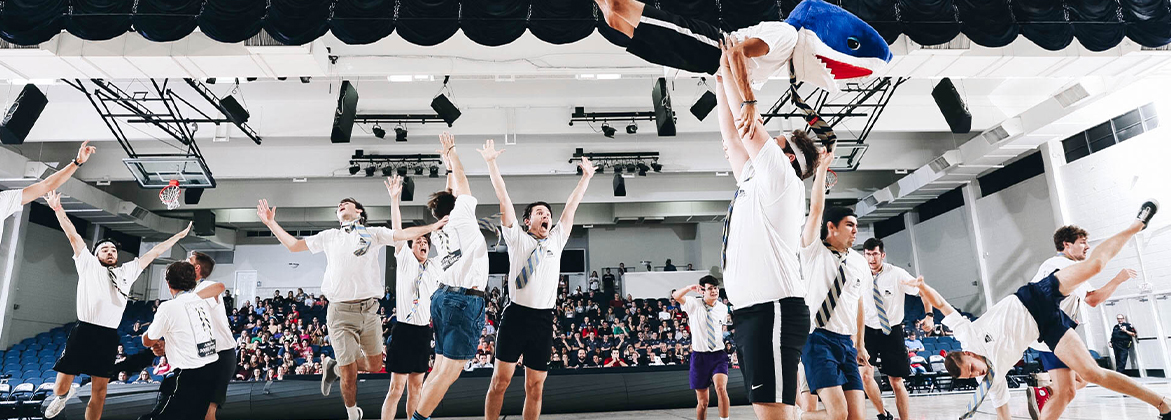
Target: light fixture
point(656, 166)
point(418, 170)
point(402, 171)
point(370, 171)
point(631, 169)
point(354, 168)
point(400, 133)
point(378, 131)
point(434, 172)
point(632, 128)
point(607, 130)
point(579, 170)
point(305, 79)
point(387, 171)
point(642, 168)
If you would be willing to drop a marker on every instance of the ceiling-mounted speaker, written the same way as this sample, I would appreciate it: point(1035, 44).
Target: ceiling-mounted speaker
point(204, 223)
point(703, 105)
point(664, 115)
point(446, 110)
point(25, 110)
point(952, 106)
point(191, 196)
point(619, 185)
point(343, 117)
point(408, 193)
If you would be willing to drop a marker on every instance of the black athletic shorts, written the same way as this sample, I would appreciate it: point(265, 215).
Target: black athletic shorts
point(674, 41)
point(888, 352)
point(769, 339)
point(1043, 300)
point(409, 350)
point(185, 394)
point(225, 370)
point(90, 349)
point(525, 331)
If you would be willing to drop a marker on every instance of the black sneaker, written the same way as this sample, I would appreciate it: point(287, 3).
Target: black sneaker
point(886, 416)
point(1147, 211)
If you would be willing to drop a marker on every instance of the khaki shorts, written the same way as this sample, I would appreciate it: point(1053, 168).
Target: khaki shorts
point(355, 330)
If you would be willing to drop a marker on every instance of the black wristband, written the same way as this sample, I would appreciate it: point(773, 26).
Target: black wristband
point(77, 162)
point(748, 102)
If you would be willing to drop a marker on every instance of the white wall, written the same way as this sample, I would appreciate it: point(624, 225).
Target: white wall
point(948, 261)
point(656, 243)
point(45, 285)
point(898, 250)
point(1016, 227)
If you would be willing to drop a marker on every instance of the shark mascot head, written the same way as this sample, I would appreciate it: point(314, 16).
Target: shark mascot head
point(834, 44)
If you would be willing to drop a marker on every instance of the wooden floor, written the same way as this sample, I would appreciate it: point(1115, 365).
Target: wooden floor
point(1092, 403)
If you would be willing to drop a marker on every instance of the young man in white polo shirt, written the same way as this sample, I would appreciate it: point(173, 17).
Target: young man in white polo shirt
point(534, 254)
point(103, 287)
point(884, 297)
point(13, 200)
point(762, 235)
point(408, 354)
point(1072, 246)
point(709, 362)
point(353, 283)
point(995, 342)
point(183, 326)
point(458, 306)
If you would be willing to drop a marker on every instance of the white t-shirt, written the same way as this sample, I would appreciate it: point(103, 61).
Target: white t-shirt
point(541, 290)
point(820, 267)
point(890, 284)
point(781, 37)
point(185, 322)
point(463, 253)
point(1001, 335)
point(350, 277)
point(1072, 304)
point(702, 318)
point(101, 301)
point(9, 204)
point(224, 340)
point(409, 311)
point(764, 235)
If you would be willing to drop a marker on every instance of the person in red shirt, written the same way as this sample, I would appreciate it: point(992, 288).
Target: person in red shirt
point(615, 360)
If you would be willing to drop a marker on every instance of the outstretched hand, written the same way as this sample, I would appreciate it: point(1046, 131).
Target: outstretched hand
point(394, 185)
point(489, 151)
point(440, 224)
point(184, 232)
point(448, 142)
point(267, 215)
point(53, 198)
point(913, 283)
point(587, 168)
point(824, 159)
point(1127, 274)
point(85, 151)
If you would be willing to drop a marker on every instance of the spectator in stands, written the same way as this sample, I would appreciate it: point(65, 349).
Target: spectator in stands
point(615, 360)
point(912, 342)
point(608, 281)
point(162, 368)
point(621, 268)
point(122, 378)
point(595, 286)
point(144, 378)
point(669, 266)
point(690, 267)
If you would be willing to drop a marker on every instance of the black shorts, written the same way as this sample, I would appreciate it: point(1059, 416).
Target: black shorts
point(674, 41)
point(888, 352)
point(225, 369)
point(525, 331)
point(90, 349)
point(1043, 300)
point(185, 394)
point(409, 350)
point(769, 339)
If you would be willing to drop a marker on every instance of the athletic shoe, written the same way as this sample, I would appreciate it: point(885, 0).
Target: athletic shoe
point(886, 416)
point(355, 414)
point(1147, 211)
point(54, 405)
point(1038, 395)
point(328, 375)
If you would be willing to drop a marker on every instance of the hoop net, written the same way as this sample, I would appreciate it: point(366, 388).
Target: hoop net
point(831, 179)
point(169, 195)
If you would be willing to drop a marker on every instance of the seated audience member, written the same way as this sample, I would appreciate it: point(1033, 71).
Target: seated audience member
point(913, 343)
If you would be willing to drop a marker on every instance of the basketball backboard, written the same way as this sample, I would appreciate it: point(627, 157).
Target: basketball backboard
point(158, 171)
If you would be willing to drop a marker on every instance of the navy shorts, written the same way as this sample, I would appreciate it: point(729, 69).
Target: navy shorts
point(458, 320)
point(1049, 361)
point(830, 359)
point(1043, 300)
point(704, 365)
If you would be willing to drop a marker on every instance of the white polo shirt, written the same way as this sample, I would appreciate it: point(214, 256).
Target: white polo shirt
point(9, 204)
point(350, 277)
point(702, 318)
point(1001, 335)
point(781, 38)
point(409, 311)
point(224, 340)
point(463, 253)
point(100, 300)
point(541, 290)
point(185, 322)
point(820, 267)
point(764, 235)
point(1072, 304)
point(890, 285)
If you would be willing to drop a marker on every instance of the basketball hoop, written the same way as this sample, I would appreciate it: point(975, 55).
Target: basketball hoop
point(831, 179)
point(169, 195)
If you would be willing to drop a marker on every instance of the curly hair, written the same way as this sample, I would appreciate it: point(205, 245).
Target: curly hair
point(1069, 234)
point(808, 150)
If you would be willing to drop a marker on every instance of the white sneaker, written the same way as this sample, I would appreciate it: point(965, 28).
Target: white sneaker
point(355, 414)
point(328, 375)
point(57, 403)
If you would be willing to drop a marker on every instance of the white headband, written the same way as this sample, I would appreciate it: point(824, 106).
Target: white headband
point(798, 152)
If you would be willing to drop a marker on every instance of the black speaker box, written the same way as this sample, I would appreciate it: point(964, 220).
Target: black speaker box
point(191, 196)
point(233, 110)
point(408, 193)
point(204, 223)
point(952, 106)
point(343, 117)
point(619, 185)
point(664, 116)
point(22, 115)
point(446, 110)
point(704, 105)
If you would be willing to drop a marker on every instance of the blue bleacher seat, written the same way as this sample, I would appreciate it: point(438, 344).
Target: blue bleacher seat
point(43, 391)
point(31, 374)
point(18, 347)
point(5, 391)
point(33, 381)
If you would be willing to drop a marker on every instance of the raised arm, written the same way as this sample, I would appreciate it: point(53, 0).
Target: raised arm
point(212, 291)
point(75, 240)
point(587, 172)
point(457, 180)
point(679, 294)
point(31, 192)
point(507, 211)
point(417, 231)
point(730, 137)
point(1097, 296)
point(812, 231)
point(742, 100)
point(162, 247)
point(931, 296)
point(394, 186)
point(268, 217)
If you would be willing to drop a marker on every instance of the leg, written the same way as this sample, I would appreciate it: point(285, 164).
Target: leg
point(902, 397)
point(211, 409)
point(63, 383)
point(414, 390)
point(701, 404)
point(97, 398)
point(622, 15)
point(1122, 354)
point(873, 391)
point(1073, 352)
point(534, 393)
point(772, 411)
point(398, 383)
point(855, 404)
point(836, 407)
point(371, 364)
point(1073, 276)
point(721, 381)
point(445, 373)
point(349, 379)
point(501, 377)
point(1061, 392)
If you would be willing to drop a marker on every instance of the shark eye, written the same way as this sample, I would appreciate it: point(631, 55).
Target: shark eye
point(853, 43)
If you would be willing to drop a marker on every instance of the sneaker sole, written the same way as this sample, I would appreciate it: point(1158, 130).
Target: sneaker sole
point(49, 413)
point(326, 384)
point(1034, 410)
point(1147, 220)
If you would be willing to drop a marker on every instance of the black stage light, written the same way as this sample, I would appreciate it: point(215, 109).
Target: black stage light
point(354, 169)
point(418, 170)
point(400, 133)
point(402, 171)
point(304, 79)
point(632, 128)
point(579, 171)
point(370, 171)
point(656, 166)
point(642, 168)
point(434, 172)
point(607, 130)
point(387, 171)
point(378, 131)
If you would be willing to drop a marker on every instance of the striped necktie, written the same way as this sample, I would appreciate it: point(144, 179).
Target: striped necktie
point(418, 288)
point(114, 282)
point(816, 124)
point(728, 220)
point(981, 391)
point(364, 237)
point(835, 291)
point(526, 272)
point(880, 306)
point(713, 332)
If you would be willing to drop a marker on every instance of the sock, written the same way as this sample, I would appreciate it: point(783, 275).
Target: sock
point(418, 416)
point(353, 412)
point(723, 418)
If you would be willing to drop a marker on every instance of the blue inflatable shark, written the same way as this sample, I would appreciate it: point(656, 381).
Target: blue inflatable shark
point(833, 44)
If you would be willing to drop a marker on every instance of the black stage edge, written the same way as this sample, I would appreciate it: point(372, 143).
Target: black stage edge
point(566, 391)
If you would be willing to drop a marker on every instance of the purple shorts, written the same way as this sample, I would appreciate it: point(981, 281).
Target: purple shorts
point(704, 365)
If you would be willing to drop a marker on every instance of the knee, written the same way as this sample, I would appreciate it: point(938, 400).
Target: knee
point(1064, 393)
point(702, 400)
point(867, 373)
point(1095, 374)
point(896, 383)
point(499, 384)
point(534, 389)
point(396, 389)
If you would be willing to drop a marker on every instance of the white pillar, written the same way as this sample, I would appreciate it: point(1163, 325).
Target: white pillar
point(971, 192)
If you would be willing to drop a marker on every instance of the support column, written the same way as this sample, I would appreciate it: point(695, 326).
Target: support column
point(910, 218)
point(971, 192)
point(11, 253)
